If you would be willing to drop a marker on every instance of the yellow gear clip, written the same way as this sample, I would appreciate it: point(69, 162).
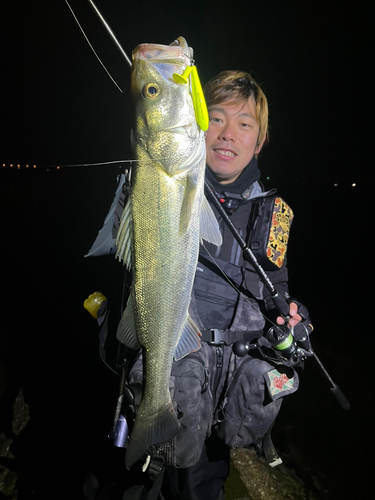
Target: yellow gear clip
point(200, 107)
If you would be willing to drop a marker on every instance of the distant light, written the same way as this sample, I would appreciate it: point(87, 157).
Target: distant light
point(268, 178)
point(11, 164)
point(58, 168)
point(354, 184)
point(34, 166)
point(27, 166)
point(4, 165)
point(335, 184)
point(18, 166)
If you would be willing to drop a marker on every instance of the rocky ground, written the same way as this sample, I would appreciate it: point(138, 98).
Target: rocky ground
point(253, 479)
point(8, 475)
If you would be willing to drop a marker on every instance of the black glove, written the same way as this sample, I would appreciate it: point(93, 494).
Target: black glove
point(303, 329)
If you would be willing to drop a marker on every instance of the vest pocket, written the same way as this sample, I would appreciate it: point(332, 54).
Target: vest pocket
point(246, 413)
point(192, 399)
point(189, 385)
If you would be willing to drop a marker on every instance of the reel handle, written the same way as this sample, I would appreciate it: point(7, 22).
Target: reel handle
point(241, 348)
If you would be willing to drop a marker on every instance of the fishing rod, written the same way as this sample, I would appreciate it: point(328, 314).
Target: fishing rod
point(282, 339)
point(110, 32)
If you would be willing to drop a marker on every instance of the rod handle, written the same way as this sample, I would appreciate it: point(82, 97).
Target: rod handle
point(340, 397)
point(336, 391)
point(281, 304)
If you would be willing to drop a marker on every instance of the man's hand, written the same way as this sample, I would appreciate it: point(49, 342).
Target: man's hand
point(294, 316)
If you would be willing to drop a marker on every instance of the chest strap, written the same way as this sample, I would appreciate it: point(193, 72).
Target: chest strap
point(227, 337)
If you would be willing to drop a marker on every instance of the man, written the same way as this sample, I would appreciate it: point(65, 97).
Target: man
point(238, 113)
point(219, 396)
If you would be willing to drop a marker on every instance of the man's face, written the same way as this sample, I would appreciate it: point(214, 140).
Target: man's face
point(231, 139)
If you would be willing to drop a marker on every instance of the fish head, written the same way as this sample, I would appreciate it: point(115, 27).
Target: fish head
point(165, 126)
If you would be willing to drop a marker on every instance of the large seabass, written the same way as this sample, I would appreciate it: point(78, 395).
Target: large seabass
point(161, 226)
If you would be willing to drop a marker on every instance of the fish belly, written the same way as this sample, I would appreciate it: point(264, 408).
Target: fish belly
point(164, 266)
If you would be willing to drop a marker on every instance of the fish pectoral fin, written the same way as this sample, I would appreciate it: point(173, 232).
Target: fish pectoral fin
point(209, 227)
point(188, 202)
point(126, 331)
point(190, 340)
point(125, 236)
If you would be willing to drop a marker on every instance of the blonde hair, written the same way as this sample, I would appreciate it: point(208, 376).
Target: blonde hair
point(239, 86)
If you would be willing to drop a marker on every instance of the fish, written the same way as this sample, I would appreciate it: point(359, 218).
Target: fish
point(162, 224)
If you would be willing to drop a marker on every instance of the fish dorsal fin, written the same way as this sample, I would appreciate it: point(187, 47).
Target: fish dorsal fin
point(126, 330)
point(190, 340)
point(209, 227)
point(125, 236)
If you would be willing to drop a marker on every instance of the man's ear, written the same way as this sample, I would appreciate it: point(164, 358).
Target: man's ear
point(260, 145)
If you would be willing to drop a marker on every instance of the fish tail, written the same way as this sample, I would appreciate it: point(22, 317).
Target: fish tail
point(148, 431)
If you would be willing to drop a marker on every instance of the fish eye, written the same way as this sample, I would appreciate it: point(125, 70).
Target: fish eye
point(151, 90)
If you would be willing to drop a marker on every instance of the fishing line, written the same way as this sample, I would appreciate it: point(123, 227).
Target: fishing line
point(108, 163)
point(96, 164)
point(145, 160)
point(92, 48)
point(226, 277)
point(105, 362)
point(112, 162)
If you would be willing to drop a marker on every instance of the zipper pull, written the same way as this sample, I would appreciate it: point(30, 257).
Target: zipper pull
point(206, 382)
point(219, 359)
point(220, 411)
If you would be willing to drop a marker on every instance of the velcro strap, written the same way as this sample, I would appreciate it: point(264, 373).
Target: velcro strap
point(155, 468)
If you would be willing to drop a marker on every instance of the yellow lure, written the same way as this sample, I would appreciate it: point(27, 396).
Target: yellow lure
point(200, 108)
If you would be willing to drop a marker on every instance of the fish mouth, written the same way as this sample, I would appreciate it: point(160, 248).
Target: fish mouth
point(187, 129)
point(178, 129)
point(156, 53)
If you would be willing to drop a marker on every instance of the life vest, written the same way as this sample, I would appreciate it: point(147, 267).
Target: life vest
point(221, 274)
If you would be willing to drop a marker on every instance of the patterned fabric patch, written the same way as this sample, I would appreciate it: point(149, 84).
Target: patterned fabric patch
point(279, 232)
point(279, 382)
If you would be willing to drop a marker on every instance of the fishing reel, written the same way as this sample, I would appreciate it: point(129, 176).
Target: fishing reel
point(290, 345)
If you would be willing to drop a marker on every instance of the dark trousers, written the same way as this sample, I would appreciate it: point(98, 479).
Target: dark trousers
point(204, 481)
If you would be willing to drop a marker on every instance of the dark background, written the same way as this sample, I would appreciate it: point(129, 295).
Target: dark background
point(59, 107)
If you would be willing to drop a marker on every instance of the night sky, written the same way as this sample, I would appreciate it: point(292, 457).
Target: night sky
point(58, 107)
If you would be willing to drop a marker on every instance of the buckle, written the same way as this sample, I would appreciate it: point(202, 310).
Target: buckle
point(218, 337)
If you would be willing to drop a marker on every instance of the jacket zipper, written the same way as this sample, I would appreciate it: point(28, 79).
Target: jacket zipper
point(219, 369)
point(206, 384)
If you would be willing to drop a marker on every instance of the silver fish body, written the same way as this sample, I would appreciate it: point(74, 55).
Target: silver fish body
point(160, 233)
